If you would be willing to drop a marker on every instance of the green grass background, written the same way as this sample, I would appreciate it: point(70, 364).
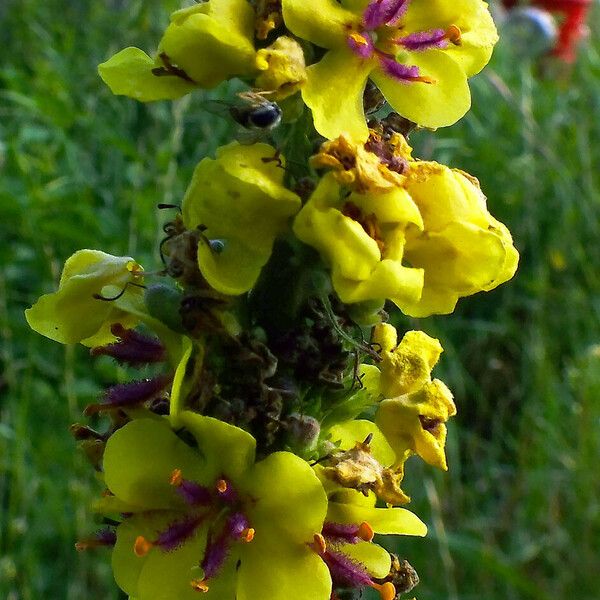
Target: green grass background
point(517, 517)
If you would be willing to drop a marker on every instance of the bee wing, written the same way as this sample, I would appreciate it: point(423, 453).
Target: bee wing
point(220, 108)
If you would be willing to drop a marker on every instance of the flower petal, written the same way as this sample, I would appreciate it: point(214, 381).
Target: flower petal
point(227, 450)
point(477, 30)
point(459, 261)
point(212, 41)
point(385, 521)
point(376, 560)
point(129, 73)
point(276, 569)
point(351, 432)
point(139, 460)
point(388, 279)
point(240, 199)
point(291, 502)
point(72, 314)
point(340, 74)
point(323, 23)
point(157, 575)
point(435, 104)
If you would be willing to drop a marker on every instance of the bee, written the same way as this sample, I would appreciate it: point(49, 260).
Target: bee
point(255, 115)
point(255, 112)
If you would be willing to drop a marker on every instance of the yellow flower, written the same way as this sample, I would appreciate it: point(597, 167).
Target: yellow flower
point(404, 367)
point(362, 237)
point(239, 201)
point(282, 68)
point(206, 520)
point(413, 414)
point(81, 309)
point(416, 423)
point(419, 53)
point(203, 46)
point(414, 232)
point(463, 249)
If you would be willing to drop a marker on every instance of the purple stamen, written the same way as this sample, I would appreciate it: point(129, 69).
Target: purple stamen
point(237, 525)
point(133, 348)
point(177, 533)
point(361, 45)
point(194, 494)
point(130, 394)
point(399, 71)
point(338, 532)
point(424, 40)
point(384, 12)
point(226, 492)
point(216, 553)
point(104, 537)
point(346, 572)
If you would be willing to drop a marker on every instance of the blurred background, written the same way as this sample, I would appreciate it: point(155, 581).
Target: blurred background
point(517, 517)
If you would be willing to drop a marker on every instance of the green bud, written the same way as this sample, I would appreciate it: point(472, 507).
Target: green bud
point(163, 303)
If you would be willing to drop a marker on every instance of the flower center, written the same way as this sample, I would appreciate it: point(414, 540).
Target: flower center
point(221, 507)
point(380, 35)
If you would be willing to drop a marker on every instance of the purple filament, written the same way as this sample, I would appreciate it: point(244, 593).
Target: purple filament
point(338, 532)
point(424, 40)
point(130, 394)
point(133, 348)
point(178, 533)
point(194, 494)
point(384, 12)
point(399, 71)
point(216, 554)
point(346, 572)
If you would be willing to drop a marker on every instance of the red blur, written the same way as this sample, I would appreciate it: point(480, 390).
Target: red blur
point(573, 17)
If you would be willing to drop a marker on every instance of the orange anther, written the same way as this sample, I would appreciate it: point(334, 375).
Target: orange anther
point(424, 79)
point(361, 40)
point(222, 486)
point(248, 535)
point(199, 585)
point(365, 532)
point(454, 34)
point(81, 546)
point(141, 546)
point(387, 591)
point(319, 544)
point(176, 477)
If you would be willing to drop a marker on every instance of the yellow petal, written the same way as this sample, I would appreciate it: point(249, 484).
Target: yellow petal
point(334, 93)
point(388, 279)
point(385, 521)
point(212, 44)
point(282, 67)
point(376, 560)
point(72, 314)
point(472, 17)
point(435, 104)
point(239, 198)
point(323, 22)
point(348, 434)
point(129, 73)
point(461, 260)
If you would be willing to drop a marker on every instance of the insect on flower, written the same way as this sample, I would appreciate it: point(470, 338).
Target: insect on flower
point(252, 111)
point(255, 112)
